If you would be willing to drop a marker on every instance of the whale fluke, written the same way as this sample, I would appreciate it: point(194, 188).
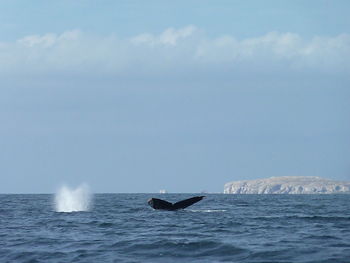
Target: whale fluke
point(165, 205)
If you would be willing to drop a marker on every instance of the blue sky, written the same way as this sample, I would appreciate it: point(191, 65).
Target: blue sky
point(127, 18)
point(138, 96)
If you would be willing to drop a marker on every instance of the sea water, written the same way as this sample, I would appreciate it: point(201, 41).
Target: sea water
point(220, 228)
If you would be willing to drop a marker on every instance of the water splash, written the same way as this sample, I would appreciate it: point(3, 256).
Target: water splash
point(207, 210)
point(73, 200)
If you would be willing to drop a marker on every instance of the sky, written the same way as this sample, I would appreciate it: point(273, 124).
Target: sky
point(138, 96)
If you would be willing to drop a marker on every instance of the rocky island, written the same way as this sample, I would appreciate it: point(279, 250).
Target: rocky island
point(288, 185)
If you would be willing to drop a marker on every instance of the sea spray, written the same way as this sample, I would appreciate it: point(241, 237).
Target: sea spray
point(73, 200)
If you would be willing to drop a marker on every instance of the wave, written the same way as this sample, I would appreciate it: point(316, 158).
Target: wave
point(207, 210)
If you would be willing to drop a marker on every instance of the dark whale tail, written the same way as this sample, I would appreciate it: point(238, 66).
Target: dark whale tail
point(164, 205)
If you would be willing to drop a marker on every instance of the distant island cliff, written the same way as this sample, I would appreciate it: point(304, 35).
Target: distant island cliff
point(288, 185)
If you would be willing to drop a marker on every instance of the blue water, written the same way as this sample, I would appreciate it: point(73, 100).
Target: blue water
point(221, 228)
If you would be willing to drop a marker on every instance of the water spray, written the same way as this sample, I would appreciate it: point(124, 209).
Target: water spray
point(73, 200)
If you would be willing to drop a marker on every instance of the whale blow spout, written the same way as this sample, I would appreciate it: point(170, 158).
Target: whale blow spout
point(73, 200)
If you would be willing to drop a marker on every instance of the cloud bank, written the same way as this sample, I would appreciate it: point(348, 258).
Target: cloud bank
point(173, 51)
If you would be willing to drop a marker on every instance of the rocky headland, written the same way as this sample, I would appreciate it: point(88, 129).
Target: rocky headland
point(288, 185)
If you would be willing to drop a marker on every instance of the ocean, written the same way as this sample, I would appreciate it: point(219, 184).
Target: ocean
point(220, 228)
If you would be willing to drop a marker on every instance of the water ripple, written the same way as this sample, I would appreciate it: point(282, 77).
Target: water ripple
point(221, 228)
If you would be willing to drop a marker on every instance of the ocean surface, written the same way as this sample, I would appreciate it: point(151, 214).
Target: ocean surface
point(220, 228)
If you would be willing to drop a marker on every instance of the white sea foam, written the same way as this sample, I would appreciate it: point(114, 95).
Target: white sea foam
point(207, 210)
point(73, 200)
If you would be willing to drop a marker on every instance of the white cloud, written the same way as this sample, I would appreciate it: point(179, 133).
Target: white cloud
point(170, 36)
point(174, 50)
point(48, 40)
point(35, 40)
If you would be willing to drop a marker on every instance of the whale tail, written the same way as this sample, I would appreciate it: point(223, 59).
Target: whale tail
point(156, 203)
